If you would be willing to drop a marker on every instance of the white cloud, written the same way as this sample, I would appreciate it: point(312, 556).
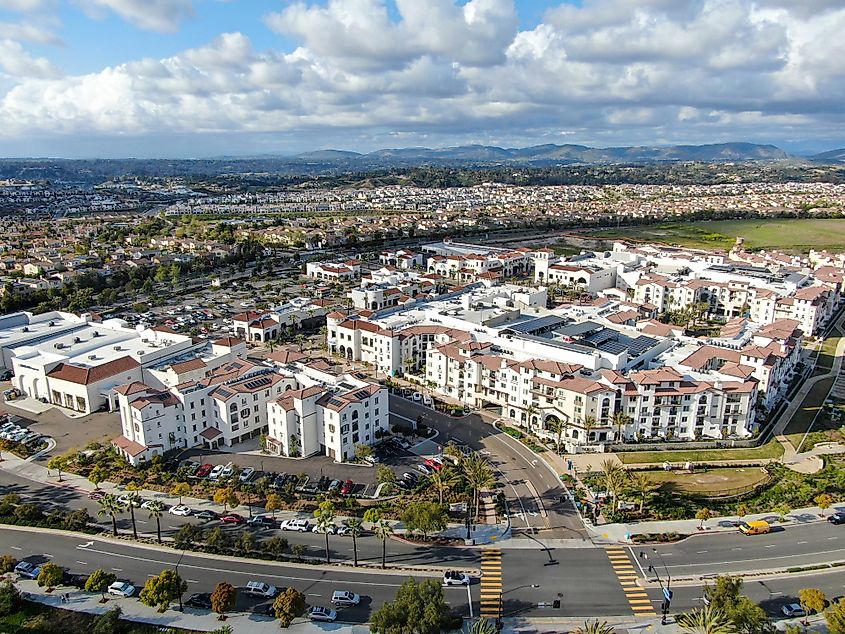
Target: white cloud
point(22, 31)
point(154, 15)
point(15, 61)
point(608, 71)
point(23, 6)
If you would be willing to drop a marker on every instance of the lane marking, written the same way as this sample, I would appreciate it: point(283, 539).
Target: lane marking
point(82, 563)
point(15, 547)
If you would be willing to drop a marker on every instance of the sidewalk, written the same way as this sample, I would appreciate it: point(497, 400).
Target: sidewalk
point(622, 532)
point(199, 620)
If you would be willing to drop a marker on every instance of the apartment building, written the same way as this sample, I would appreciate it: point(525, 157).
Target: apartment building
point(334, 272)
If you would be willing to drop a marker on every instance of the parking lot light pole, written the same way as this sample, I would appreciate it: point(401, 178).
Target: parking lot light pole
point(667, 591)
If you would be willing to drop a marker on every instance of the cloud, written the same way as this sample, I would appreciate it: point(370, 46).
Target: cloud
point(23, 6)
point(154, 15)
point(445, 72)
point(28, 33)
point(15, 61)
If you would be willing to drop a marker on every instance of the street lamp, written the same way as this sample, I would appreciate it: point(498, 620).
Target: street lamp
point(667, 590)
point(181, 609)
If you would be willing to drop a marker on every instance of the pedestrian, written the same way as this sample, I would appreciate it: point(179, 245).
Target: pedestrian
point(64, 598)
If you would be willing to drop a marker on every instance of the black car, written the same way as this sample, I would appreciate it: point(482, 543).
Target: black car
point(837, 518)
point(324, 483)
point(266, 609)
point(207, 514)
point(263, 521)
point(280, 480)
point(201, 600)
point(74, 580)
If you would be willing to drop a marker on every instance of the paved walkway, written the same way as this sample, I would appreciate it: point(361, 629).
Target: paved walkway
point(622, 532)
point(191, 619)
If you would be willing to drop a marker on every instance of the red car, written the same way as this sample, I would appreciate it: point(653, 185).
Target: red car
point(434, 464)
point(232, 518)
point(203, 471)
point(347, 487)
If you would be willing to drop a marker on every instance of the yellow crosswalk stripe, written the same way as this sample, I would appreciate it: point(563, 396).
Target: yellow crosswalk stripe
point(490, 600)
point(638, 599)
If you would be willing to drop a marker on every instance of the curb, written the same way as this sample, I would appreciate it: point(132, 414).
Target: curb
point(773, 573)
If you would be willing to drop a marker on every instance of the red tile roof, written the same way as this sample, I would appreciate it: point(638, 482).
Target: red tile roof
point(86, 376)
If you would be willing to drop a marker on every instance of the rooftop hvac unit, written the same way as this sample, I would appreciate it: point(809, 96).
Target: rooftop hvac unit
point(77, 340)
point(92, 357)
point(116, 348)
point(59, 345)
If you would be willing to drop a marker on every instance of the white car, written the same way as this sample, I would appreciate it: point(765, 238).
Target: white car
point(427, 400)
point(228, 470)
point(331, 529)
point(125, 500)
point(792, 610)
point(417, 397)
point(261, 589)
point(246, 474)
point(455, 578)
point(122, 589)
point(300, 526)
point(318, 613)
point(216, 472)
point(180, 509)
point(146, 504)
point(343, 529)
point(344, 597)
point(425, 469)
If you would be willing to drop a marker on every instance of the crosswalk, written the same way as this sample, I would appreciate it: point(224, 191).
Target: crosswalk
point(491, 583)
point(637, 598)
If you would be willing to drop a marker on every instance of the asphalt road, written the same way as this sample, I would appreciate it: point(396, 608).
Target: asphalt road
point(535, 496)
point(732, 552)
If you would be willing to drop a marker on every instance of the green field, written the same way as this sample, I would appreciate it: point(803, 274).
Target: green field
point(806, 414)
point(797, 235)
point(712, 481)
point(772, 449)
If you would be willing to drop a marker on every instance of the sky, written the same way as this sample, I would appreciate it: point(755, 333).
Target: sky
point(200, 78)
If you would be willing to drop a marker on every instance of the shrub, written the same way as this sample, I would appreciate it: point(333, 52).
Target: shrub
point(10, 598)
point(7, 564)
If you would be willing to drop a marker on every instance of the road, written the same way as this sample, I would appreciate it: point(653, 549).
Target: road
point(536, 498)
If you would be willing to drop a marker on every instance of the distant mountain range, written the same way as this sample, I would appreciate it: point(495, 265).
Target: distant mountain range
point(831, 156)
point(553, 154)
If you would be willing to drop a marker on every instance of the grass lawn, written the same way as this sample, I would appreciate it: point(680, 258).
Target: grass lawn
point(712, 481)
point(828, 351)
point(36, 617)
point(789, 234)
point(771, 449)
point(797, 427)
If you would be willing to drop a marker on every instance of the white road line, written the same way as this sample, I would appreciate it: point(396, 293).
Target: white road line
point(833, 538)
point(700, 552)
point(118, 569)
point(739, 548)
point(469, 602)
point(771, 545)
point(634, 557)
point(312, 594)
point(192, 581)
point(737, 561)
point(15, 547)
point(82, 563)
point(801, 542)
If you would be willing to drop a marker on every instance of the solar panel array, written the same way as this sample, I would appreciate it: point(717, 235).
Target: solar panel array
point(257, 383)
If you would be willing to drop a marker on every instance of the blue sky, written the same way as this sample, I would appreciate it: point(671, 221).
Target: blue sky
point(207, 77)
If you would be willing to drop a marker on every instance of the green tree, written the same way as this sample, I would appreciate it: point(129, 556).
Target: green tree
point(110, 506)
point(531, 413)
point(381, 528)
point(425, 517)
point(180, 489)
point(614, 479)
point(162, 589)
point(418, 608)
point(275, 545)
point(245, 544)
point(783, 509)
point(298, 551)
point(133, 500)
point(108, 622)
point(156, 509)
point(289, 605)
point(706, 621)
point(355, 528)
point(187, 536)
point(218, 539)
point(619, 420)
point(644, 487)
point(99, 581)
point(7, 564)
point(223, 599)
point(594, 627)
point(835, 618)
point(589, 424)
point(325, 522)
point(226, 496)
point(479, 475)
point(812, 600)
point(702, 515)
point(725, 596)
point(50, 576)
point(444, 481)
point(823, 501)
point(385, 474)
point(274, 503)
point(484, 626)
point(58, 463)
point(97, 475)
point(363, 451)
point(10, 598)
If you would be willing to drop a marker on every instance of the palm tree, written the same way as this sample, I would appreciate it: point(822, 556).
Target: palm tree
point(483, 626)
point(706, 621)
point(156, 509)
point(443, 481)
point(614, 477)
point(589, 424)
point(325, 522)
point(643, 486)
point(530, 412)
point(557, 426)
point(355, 528)
point(620, 419)
point(110, 506)
point(383, 530)
point(594, 627)
point(133, 499)
point(479, 475)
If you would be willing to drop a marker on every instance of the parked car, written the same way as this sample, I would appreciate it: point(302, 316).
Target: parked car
point(204, 471)
point(262, 521)
point(411, 477)
point(180, 509)
point(792, 610)
point(266, 609)
point(401, 442)
point(228, 470)
point(207, 515)
point(260, 589)
point(323, 483)
point(74, 580)
point(455, 578)
point(232, 518)
point(216, 472)
point(122, 589)
point(318, 613)
point(837, 518)
point(425, 469)
point(191, 467)
point(347, 487)
point(343, 529)
point(201, 600)
point(27, 569)
point(434, 464)
point(427, 400)
point(331, 529)
point(246, 474)
point(345, 597)
point(126, 500)
point(146, 504)
point(372, 459)
point(298, 525)
point(334, 485)
point(405, 485)
point(417, 398)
